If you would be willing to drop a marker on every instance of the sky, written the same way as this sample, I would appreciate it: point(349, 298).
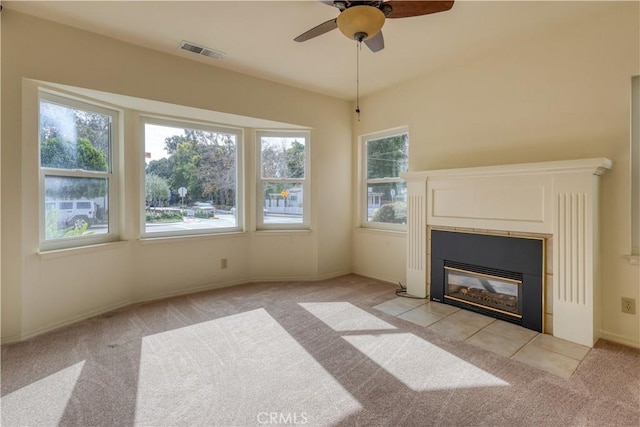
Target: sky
point(154, 140)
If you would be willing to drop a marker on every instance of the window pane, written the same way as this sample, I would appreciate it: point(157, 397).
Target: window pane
point(75, 207)
point(73, 139)
point(387, 157)
point(282, 157)
point(282, 203)
point(190, 180)
point(387, 202)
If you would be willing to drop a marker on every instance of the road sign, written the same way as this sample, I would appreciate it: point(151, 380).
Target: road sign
point(284, 193)
point(182, 191)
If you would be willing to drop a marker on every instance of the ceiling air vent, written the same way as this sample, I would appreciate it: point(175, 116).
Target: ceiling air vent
point(200, 50)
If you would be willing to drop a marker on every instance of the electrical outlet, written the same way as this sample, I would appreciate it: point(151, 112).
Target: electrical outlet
point(223, 263)
point(628, 305)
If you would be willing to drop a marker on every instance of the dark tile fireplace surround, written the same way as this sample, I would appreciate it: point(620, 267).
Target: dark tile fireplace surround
point(498, 276)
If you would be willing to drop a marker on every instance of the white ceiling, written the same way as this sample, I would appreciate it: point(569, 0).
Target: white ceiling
point(257, 36)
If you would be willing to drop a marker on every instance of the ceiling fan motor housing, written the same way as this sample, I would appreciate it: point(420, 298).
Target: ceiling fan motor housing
point(361, 22)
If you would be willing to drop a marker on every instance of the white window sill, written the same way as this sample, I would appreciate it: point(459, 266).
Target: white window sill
point(82, 250)
point(150, 240)
point(280, 232)
point(633, 259)
point(381, 231)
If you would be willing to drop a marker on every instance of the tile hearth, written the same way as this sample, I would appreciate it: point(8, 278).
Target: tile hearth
point(551, 354)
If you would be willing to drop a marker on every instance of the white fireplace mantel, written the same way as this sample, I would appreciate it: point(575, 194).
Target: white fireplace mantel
point(555, 198)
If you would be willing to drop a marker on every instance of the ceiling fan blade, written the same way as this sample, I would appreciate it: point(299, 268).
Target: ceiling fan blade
point(375, 43)
point(319, 30)
point(405, 9)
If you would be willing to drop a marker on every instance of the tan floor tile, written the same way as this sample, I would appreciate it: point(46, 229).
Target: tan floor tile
point(399, 305)
point(441, 309)
point(421, 316)
point(496, 343)
point(563, 347)
point(509, 330)
point(454, 328)
point(550, 361)
point(472, 318)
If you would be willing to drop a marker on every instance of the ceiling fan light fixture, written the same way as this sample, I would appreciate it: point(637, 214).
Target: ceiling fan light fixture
point(360, 22)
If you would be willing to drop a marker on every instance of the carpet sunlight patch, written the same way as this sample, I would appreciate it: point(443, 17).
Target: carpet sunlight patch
point(243, 369)
point(43, 402)
point(421, 365)
point(344, 316)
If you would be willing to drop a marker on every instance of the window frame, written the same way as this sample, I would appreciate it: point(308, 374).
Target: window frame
point(365, 182)
point(111, 175)
point(185, 123)
point(306, 181)
point(635, 166)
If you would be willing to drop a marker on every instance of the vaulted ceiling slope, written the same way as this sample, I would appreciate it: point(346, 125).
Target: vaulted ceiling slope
point(257, 36)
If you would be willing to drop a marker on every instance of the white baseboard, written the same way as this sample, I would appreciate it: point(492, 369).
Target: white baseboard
point(63, 323)
point(620, 339)
point(382, 279)
point(187, 291)
point(155, 297)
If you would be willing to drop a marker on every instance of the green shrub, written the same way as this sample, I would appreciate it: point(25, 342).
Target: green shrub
point(162, 216)
point(201, 213)
point(394, 213)
point(53, 232)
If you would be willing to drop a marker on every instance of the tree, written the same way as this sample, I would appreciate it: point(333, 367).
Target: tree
point(387, 157)
point(217, 171)
point(56, 152)
point(156, 189)
point(162, 167)
point(171, 143)
point(94, 127)
point(185, 171)
point(282, 159)
point(74, 124)
point(204, 162)
point(295, 160)
point(90, 158)
point(60, 153)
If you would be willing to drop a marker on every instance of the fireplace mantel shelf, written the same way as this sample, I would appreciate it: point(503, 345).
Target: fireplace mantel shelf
point(597, 166)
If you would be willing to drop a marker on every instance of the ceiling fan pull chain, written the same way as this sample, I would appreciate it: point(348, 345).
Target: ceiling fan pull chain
point(358, 47)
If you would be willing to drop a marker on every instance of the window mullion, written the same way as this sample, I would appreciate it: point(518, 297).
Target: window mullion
point(75, 173)
point(383, 180)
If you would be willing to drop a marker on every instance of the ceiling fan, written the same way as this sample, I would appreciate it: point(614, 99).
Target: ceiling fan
point(363, 20)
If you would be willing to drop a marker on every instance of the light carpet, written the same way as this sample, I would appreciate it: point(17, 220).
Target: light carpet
point(303, 353)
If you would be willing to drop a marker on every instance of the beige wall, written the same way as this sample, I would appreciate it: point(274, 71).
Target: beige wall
point(41, 292)
point(561, 94)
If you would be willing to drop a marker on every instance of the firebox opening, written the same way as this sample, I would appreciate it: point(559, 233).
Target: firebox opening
point(497, 276)
point(496, 292)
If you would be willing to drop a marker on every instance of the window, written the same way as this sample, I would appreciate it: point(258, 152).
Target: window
point(77, 181)
point(384, 197)
point(191, 178)
point(283, 180)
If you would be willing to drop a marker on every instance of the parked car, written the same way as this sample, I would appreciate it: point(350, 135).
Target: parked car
point(72, 212)
point(205, 206)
